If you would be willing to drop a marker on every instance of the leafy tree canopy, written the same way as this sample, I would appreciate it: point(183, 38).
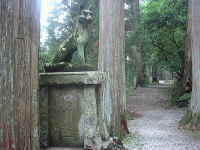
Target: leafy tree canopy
point(164, 25)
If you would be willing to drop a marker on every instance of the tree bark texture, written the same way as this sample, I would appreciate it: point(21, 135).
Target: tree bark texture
point(112, 61)
point(195, 38)
point(140, 66)
point(19, 41)
point(188, 52)
point(134, 54)
point(192, 118)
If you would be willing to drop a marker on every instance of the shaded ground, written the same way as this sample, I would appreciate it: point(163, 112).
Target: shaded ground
point(156, 128)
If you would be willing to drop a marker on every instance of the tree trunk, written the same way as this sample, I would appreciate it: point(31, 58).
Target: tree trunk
point(192, 118)
point(19, 41)
point(112, 61)
point(140, 66)
point(188, 53)
point(136, 11)
point(195, 37)
point(136, 52)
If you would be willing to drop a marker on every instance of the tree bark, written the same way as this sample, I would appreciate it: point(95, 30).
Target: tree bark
point(135, 49)
point(184, 78)
point(140, 66)
point(192, 119)
point(135, 11)
point(19, 41)
point(112, 61)
point(188, 53)
point(195, 37)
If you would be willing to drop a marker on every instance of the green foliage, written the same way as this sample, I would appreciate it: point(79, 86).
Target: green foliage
point(190, 121)
point(133, 140)
point(185, 97)
point(131, 40)
point(159, 36)
point(176, 92)
point(164, 22)
point(62, 23)
point(45, 57)
point(178, 95)
point(130, 91)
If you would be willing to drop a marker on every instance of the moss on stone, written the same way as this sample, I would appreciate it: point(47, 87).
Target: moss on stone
point(78, 67)
point(67, 67)
point(74, 78)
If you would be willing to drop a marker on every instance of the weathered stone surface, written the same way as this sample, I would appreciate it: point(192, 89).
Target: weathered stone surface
point(43, 108)
point(64, 116)
point(73, 104)
point(66, 78)
point(88, 121)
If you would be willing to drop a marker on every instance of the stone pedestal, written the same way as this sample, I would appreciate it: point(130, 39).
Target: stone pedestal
point(69, 108)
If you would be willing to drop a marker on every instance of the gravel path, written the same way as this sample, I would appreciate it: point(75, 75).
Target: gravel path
point(156, 128)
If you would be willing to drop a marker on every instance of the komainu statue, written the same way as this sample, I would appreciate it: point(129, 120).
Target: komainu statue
point(71, 53)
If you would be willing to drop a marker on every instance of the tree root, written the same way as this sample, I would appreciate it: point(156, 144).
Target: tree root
point(190, 121)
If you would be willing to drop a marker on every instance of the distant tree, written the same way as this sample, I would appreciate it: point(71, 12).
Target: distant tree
point(159, 42)
point(134, 45)
point(164, 22)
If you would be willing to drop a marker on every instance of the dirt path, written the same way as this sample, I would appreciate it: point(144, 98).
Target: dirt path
point(157, 126)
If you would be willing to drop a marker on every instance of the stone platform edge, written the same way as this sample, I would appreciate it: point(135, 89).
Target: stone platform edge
point(77, 78)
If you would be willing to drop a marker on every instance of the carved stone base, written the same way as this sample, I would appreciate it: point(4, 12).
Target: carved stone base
point(68, 109)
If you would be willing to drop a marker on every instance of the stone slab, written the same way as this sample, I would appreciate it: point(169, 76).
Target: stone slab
point(64, 116)
point(44, 123)
point(78, 78)
point(69, 106)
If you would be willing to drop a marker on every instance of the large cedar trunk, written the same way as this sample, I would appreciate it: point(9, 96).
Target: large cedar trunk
point(19, 41)
point(192, 118)
point(112, 61)
point(195, 38)
point(184, 80)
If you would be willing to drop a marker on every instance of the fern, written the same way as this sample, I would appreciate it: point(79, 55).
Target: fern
point(185, 97)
